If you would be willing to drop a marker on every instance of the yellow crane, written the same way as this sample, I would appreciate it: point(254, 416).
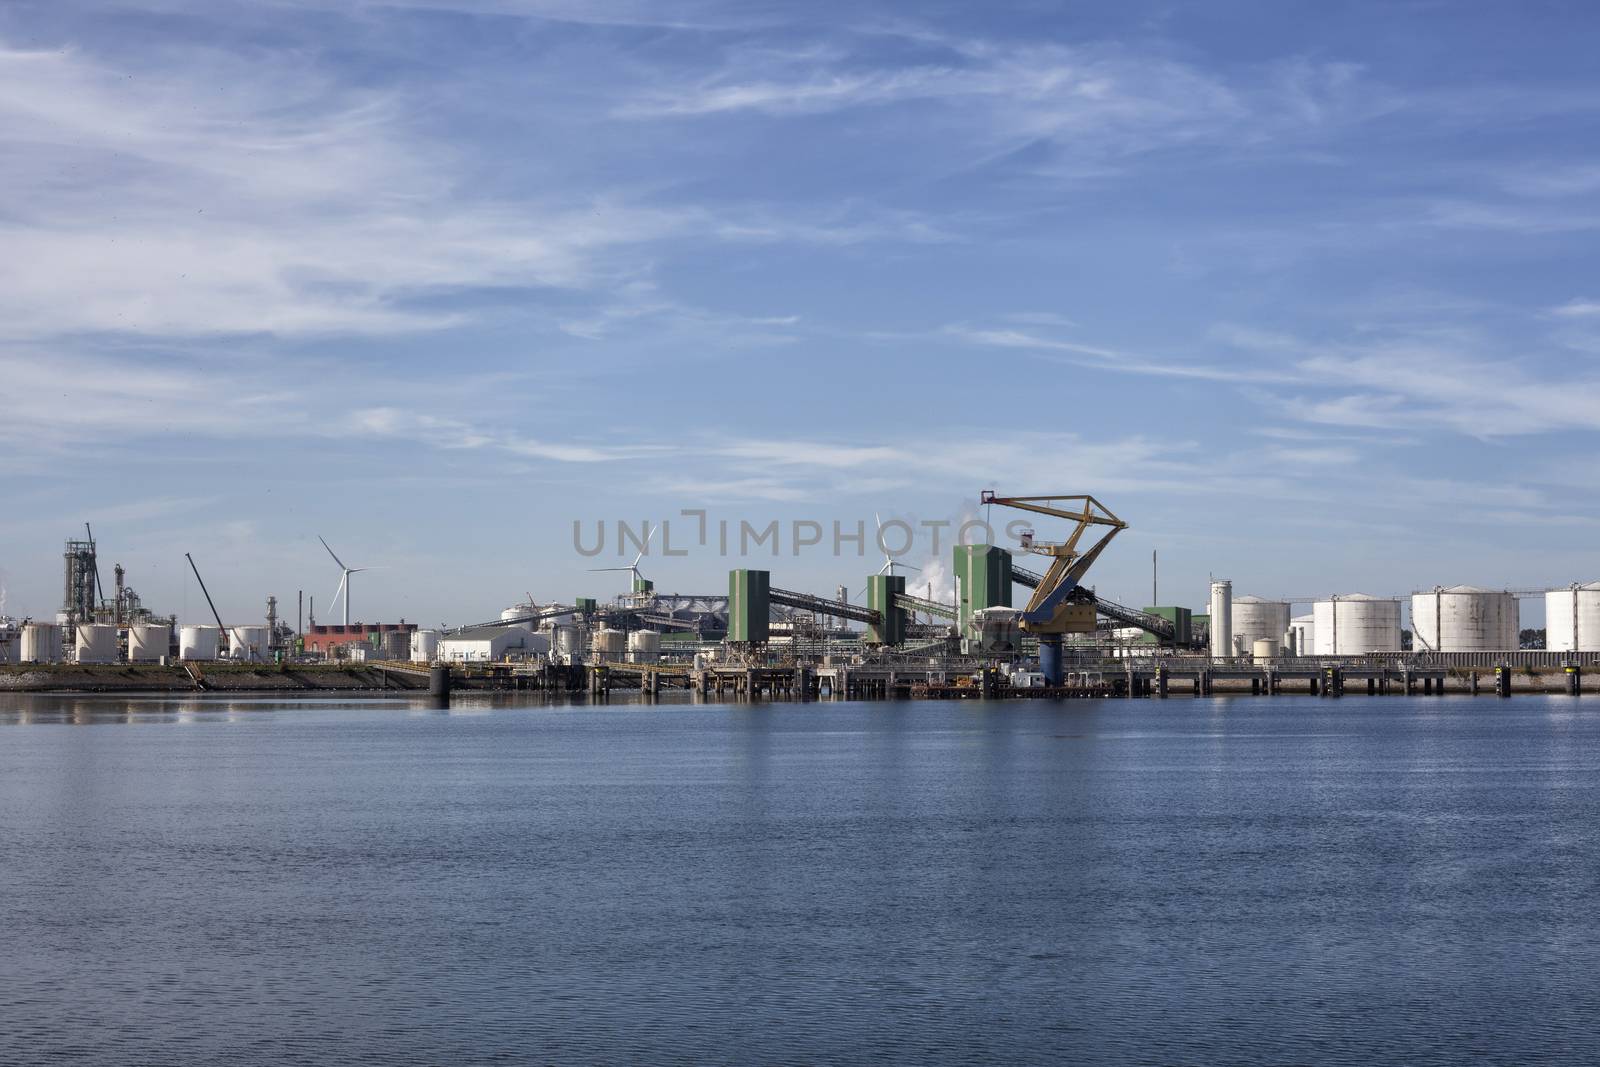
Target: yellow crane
point(1057, 606)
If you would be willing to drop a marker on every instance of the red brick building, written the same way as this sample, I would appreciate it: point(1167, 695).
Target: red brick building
point(328, 638)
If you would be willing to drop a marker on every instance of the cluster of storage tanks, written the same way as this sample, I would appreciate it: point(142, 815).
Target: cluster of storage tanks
point(45, 642)
point(1460, 618)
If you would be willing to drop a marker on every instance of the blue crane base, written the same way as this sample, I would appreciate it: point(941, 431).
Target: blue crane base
point(1050, 659)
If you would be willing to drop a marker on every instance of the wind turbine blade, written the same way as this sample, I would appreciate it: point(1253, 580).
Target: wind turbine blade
point(611, 568)
point(337, 592)
point(336, 559)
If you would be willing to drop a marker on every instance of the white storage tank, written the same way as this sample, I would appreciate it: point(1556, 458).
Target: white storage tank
point(521, 613)
point(424, 646)
point(1301, 629)
point(1263, 649)
point(41, 643)
point(1572, 618)
point(564, 639)
point(197, 642)
point(247, 643)
point(97, 642)
point(148, 642)
point(644, 646)
point(1463, 618)
point(1256, 619)
point(1221, 619)
point(1355, 624)
point(610, 646)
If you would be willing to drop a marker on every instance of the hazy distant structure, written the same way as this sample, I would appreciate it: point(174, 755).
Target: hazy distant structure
point(1572, 618)
point(1354, 624)
point(1463, 618)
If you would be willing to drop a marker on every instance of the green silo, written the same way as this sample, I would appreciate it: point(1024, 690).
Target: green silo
point(881, 591)
point(749, 606)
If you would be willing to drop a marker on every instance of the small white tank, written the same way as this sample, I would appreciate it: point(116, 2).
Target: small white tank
point(197, 642)
point(644, 646)
point(41, 643)
point(1263, 649)
point(247, 643)
point(610, 646)
point(424, 646)
point(97, 642)
point(148, 642)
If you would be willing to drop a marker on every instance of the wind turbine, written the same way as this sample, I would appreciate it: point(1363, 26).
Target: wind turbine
point(344, 580)
point(633, 568)
point(889, 562)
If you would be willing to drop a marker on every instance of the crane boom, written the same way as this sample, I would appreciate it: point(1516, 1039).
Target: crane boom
point(1052, 609)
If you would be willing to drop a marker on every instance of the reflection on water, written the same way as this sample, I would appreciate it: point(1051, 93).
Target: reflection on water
point(373, 880)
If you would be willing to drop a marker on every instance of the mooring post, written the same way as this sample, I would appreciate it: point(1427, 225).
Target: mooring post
point(439, 682)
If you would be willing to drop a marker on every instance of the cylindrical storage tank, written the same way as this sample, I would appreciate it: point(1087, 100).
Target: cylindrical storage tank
point(424, 646)
point(41, 643)
point(1572, 618)
point(1301, 629)
point(1355, 624)
point(1255, 619)
point(1463, 618)
point(564, 639)
point(644, 646)
point(97, 642)
point(1263, 649)
point(247, 642)
point(520, 613)
point(1221, 619)
point(197, 642)
point(610, 646)
point(148, 642)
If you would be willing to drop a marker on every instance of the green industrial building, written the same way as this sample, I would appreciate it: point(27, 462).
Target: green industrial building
point(882, 593)
point(983, 580)
point(749, 606)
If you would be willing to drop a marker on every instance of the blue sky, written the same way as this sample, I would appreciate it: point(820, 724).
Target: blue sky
point(1306, 293)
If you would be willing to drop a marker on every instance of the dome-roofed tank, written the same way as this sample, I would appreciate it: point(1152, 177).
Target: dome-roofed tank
point(97, 643)
point(1257, 619)
point(610, 646)
point(1572, 618)
point(247, 643)
point(197, 642)
point(1463, 618)
point(1354, 624)
point(644, 646)
point(148, 642)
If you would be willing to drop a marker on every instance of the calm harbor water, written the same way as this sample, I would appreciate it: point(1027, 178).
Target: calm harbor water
point(1283, 880)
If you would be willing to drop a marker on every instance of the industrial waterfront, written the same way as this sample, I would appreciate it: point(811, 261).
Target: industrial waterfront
point(757, 639)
